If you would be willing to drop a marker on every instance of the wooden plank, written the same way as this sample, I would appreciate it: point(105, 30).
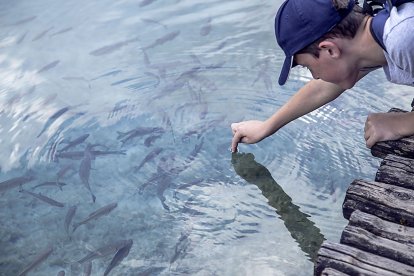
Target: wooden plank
point(402, 147)
point(367, 241)
point(332, 272)
point(382, 228)
point(354, 261)
point(386, 201)
point(396, 170)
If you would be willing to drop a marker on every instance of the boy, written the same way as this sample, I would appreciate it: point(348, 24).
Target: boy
point(333, 39)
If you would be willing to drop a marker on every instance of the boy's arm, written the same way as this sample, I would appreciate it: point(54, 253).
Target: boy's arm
point(313, 95)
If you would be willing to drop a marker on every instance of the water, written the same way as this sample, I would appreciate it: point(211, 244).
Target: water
point(136, 98)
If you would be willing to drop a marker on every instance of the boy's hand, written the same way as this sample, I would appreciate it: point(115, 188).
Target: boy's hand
point(388, 126)
point(248, 132)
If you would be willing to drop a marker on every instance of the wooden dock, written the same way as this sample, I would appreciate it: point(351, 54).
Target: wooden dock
point(379, 238)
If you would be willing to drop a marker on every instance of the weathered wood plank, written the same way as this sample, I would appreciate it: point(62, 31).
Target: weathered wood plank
point(354, 261)
point(367, 241)
point(386, 201)
point(332, 272)
point(382, 228)
point(402, 147)
point(396, 170)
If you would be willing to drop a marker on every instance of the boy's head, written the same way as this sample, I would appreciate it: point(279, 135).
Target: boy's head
point(300, 23)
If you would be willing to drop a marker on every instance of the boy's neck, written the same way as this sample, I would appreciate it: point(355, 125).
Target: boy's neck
point(368, 50)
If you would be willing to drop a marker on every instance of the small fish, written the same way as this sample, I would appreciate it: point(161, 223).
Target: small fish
point(20, 40)
point(68, 218)
point(87, 269)
point(206, 29)
point(24, 21)
point(77, 155)
point(15, 182)
point(45, 199)
point(149, 157)
point(139, 131)
point(104, 251)
point(111, 48)
point(52, 119)
point(119, 256)
point(163, 39)
point(41, 257)
point(75, 142)
point(42, 34)
point(61, 31)
point(61, 273)
point(146, 2)
point(85, 169)
point(50, 183)
point(63, 171)
point(96, 214)
point(48, 66)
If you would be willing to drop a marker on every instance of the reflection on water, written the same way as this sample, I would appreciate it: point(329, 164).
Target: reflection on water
point(304, 231)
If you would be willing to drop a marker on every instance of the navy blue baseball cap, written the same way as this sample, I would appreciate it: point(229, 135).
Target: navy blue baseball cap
point(299, 23)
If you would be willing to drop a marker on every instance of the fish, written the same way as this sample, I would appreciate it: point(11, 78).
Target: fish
point(52, 119)
point(68, 218)
point(15, 182)
point(146, 2)
point(62, 31)
point(111, 48)
point(206, 29)
point(24, 21)
point(42, 34)
point(104, 251)
point(85, 170)
point(50, 183)
point(139, 131)
point(96, 214)
point(61, 273)
point(163, 39)
point(119, 256)
point(87, 269)
point(41, 257)
point(63, 171)
point(77, 155)
point(48, 66)
point(154, 153)
point(75, 142)
point(20, 40)
point(45, 199)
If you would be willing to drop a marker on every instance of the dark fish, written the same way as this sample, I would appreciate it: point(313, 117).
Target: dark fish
point(42, 34)
point(111, 48)
point(48, 66)
point(77, 155)
point(96, 214)
point(45, 199)
point(53, 118)
point(68, 218)
point(61, 273)
point(20, 40)
point(154, 22)
point(104, 251)
point(206, 29)
point(85, 170)
point(123, 81)
point(111, 73)
point(146, 2)
point(75, 142)
point(151, 139)
point(63, 171)
point(14, 182)
point(119, 256)
point(41, 257)
point(139, 131)
point(62, 31)
point(87, 269)
point(163, 39)
point(149, 157)
point(50, 183)
point(24, 21)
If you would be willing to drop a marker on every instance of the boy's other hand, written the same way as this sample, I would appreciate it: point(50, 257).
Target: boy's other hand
point(388, 126)
point(248, 132)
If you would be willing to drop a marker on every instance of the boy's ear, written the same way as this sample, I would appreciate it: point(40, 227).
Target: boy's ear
point(331, 48)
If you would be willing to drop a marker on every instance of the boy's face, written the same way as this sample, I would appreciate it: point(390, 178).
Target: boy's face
point(330, 68)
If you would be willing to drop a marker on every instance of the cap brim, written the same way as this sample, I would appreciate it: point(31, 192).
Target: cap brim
point(284, 75)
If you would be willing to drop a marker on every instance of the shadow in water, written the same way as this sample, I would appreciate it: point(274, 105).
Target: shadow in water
point(304, 231)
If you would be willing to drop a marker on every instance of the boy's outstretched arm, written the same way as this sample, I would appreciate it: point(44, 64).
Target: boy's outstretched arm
point(388, 126)
point(313, 95)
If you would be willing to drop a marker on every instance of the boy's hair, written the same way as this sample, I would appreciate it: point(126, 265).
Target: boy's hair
point(347, 28)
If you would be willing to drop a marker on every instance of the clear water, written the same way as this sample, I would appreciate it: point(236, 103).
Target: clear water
point(179, 73)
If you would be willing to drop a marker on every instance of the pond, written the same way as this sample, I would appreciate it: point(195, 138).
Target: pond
point(115, 134)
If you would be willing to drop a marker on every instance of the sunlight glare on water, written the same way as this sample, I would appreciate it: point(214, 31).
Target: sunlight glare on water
point(115, 128)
